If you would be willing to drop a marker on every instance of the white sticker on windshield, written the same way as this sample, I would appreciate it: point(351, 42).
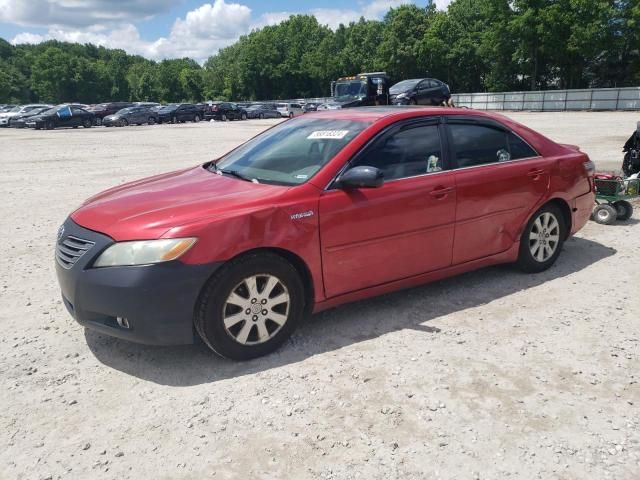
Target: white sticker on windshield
point(330, 134)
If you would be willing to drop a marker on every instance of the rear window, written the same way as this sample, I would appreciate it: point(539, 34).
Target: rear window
point(520, 148)
point(478, 145)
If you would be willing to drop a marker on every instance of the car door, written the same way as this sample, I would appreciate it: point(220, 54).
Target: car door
point(421, 92)
point(233, 111)
point(499, 179)
point(401, 229)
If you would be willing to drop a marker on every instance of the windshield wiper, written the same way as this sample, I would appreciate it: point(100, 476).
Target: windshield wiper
point(233, 173)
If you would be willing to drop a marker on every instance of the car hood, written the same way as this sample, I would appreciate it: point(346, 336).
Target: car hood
point(148, 208)
point(111, 117)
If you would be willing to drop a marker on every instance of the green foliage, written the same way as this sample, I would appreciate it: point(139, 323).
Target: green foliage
point(476, 45)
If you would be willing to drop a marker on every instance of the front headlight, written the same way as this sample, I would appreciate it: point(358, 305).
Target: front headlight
point(144, 252)
point(402, 95)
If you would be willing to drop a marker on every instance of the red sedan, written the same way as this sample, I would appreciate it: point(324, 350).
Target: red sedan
point(320, 210)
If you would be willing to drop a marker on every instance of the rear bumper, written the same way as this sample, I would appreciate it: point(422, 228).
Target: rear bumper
point(158, 301)
point(582, 209)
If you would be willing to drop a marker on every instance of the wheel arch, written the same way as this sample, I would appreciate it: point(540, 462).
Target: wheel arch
point(566, 213)
point(298, 263)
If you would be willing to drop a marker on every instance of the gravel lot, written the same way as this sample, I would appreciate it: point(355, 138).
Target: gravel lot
point(490, 375)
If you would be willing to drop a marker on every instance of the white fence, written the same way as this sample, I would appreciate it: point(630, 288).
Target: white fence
point(554, 100)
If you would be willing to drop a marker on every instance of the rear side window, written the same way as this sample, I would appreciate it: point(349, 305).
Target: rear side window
point(408, 153)
point(519, 148)
point(478, 145)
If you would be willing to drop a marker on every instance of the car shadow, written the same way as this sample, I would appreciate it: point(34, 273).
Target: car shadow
point(333, 329)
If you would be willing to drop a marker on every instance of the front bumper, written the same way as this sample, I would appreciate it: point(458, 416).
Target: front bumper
point(399, 101)
point(158, 300)
point(4, 122)
point(109, 122)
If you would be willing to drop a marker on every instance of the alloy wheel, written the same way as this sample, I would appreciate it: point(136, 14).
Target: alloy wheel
point(544, 237)
point(256, 309)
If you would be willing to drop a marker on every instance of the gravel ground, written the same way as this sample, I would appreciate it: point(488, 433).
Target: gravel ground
point(489, 375)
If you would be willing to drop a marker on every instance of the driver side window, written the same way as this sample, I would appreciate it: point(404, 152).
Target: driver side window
point(409, 152)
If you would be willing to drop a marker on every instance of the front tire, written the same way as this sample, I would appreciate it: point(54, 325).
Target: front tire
point(86, 123)
point(98, 121)
point(542, 240)
point(196, 119)
point(224, 118)
point(243, 116)
point(151, 121)
point(250, 307)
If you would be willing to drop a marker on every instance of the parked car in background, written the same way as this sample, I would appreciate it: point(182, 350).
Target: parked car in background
point(62, 116)
point(101, 110)
point(263, 110)
point(131, 116)
point(322, 210)
point(328, 106)
point(289, 110)
point(309, 107)
point(180, 113)
point(6, 117)
point(225, 111)
point(420, 91)
point(20, 121)
point(146, 104)
point(6, 107)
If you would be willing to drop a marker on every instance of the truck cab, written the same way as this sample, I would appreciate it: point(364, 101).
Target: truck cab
point(364, 89)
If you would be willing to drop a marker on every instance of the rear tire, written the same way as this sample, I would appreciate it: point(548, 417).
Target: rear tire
point(624, 210)
point(262, 116)
point(196, 119)
point(243, 116)
point(86, 123)
point(250, 307)
point(151, 121)
point(98, 121)
point(542, 240)
point(605, 214)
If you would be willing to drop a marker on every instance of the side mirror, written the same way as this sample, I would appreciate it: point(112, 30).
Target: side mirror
point(361, 177)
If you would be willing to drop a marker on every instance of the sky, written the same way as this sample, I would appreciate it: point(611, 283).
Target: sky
point(159, 29)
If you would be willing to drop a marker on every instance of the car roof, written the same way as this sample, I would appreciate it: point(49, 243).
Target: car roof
point(373, 114)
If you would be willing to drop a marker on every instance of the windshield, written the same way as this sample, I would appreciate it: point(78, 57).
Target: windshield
point(404, 86)
point(292, 152)
point(169, 108)
point(54, 110)
point(354, 88)
point(15, 109)
point(252, 107)
point(123, 111)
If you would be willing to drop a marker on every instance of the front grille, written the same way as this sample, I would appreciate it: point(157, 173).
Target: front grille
point(70, 249)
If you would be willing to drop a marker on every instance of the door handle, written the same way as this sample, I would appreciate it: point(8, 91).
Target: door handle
point(441, 192)
point(536, 174)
